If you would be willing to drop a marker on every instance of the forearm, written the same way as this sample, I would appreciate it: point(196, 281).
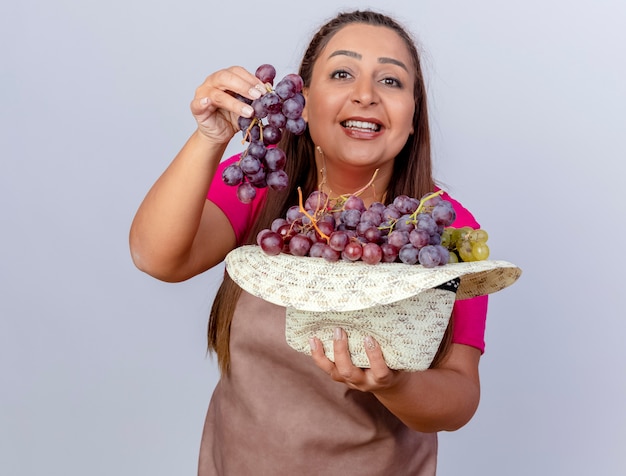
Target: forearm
point(433, 400)
point(167, 222)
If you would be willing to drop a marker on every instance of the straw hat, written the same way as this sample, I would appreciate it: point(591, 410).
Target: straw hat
point(399, 305)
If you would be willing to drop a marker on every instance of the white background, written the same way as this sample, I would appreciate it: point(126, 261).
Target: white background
point(103, 370)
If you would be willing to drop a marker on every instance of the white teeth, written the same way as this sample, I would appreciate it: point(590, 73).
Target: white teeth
point(362, 125)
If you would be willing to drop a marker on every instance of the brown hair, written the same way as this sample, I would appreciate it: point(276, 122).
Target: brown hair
point(412, 171)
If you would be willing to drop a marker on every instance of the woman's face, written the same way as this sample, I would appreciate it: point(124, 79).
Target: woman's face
point(360, 102)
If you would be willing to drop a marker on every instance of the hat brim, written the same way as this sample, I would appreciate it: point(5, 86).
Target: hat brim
point(314, 284)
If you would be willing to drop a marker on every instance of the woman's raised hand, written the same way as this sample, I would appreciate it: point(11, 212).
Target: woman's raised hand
point(216, 107)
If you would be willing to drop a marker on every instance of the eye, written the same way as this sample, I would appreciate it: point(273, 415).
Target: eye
point(340, 74)
point(393, 82)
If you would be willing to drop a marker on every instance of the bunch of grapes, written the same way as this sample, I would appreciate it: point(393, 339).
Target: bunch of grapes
point(262, 163)
point(408, 230)
point(466, 243)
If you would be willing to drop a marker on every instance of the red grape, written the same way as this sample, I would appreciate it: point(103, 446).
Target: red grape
point(372, 253)
point(353, 251)
point(266, 73)
point(271, 243)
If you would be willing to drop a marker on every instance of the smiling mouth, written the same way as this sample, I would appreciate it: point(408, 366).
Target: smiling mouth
point(361, 126)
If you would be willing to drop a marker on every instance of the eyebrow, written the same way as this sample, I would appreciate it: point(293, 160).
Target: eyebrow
point(393, 61)
point(382, 60)
point(352, 54)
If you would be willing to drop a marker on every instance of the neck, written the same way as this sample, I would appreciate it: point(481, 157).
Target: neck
point(369, 183)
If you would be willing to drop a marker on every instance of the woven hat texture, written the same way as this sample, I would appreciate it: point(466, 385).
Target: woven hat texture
point(314, 284)
point(408, 331)
point(406, 308)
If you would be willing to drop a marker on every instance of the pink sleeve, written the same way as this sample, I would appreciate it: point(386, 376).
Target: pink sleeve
point(240, 215)
point(470, 315)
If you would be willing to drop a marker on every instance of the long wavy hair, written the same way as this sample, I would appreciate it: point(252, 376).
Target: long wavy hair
point(412, 170)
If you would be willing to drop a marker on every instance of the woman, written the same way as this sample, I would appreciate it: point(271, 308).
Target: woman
point(274, 410)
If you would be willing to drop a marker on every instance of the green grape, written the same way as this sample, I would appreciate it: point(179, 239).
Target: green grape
point(478, 236)
point(464, 249)
point(446, 238)
point(480, 251)
point(454, 235)
point(454, 258)
point(460, 234)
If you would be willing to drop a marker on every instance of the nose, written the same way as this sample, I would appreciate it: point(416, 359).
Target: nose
point(364, 92)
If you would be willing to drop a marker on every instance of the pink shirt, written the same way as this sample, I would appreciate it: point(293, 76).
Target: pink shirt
point(469, 314)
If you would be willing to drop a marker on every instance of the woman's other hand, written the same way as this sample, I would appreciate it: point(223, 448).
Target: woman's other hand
point(379, 376)
point(437, 399)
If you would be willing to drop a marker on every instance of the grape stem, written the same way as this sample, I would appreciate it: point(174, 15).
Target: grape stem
point(308, 215)
point(246, 136)
point(417, 211)
point(343, 198)
point(363, 189)
point(256, 120)
point(423, 201)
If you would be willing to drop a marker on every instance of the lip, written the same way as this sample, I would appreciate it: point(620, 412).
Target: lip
point(362, 127)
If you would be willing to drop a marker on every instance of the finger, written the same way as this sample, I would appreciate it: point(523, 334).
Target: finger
point(230, 90)
point(378, 366)
point(243, 82)
point(319, 356)
point(204, 106)
point(343, 361)
point(235, 81)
